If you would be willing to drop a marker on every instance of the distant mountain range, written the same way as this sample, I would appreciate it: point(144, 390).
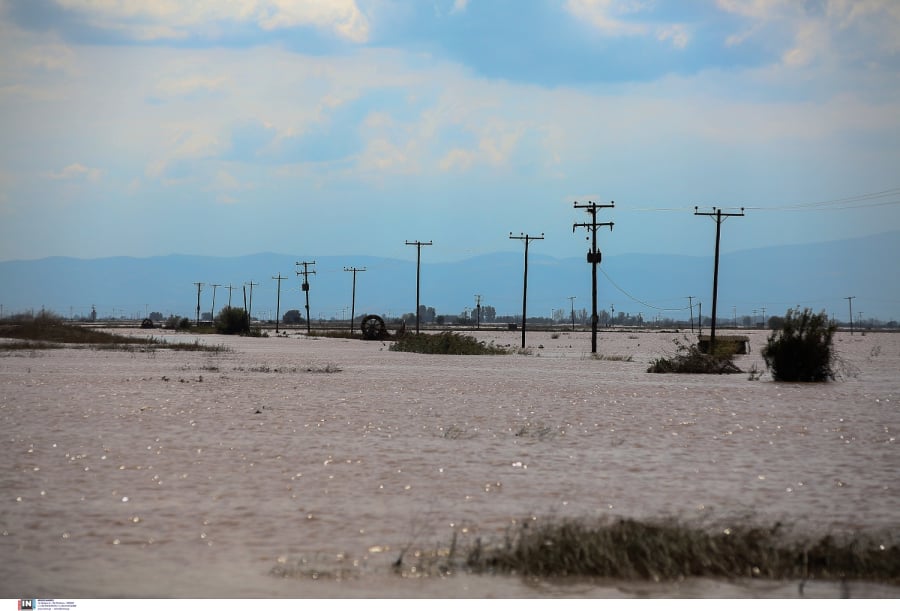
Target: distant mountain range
point(819, 276)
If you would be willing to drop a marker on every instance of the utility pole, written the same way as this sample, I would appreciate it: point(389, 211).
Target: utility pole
point(353, 302)
point(305, 286)
point(418, 246)
point(593, 257)
point(691, 306)
point(279, 277)
point(230, 288)
point(478, 311)
point(719, 217)
point(199, 286)
point(572, 303)
point(850, 301)
point(763, 318)
point(251, 284)
point(212, 312)
point(527, 238)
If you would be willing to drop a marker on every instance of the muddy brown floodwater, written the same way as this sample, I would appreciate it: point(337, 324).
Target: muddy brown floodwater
point(212, 475)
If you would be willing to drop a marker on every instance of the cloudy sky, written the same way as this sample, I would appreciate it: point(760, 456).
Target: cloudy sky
point(324, 127)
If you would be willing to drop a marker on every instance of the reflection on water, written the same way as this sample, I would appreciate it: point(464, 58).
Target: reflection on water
point(193, 474)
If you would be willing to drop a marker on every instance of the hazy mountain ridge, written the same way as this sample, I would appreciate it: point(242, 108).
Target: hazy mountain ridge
point(819, 276)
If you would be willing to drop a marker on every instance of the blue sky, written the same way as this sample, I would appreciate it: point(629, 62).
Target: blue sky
point(349, 127)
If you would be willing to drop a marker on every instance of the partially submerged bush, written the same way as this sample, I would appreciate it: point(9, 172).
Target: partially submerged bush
point(801, 351)
point(689, 359)
point(667, 550)
point(443, 343)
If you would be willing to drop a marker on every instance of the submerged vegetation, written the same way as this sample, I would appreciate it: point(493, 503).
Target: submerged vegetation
point(48, 331)
point(688, 358)
point(663, 550)
point(443, 343)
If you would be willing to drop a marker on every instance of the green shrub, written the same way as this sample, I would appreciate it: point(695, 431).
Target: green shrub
point(801, 350)
point(443, 343)
point(232, 321)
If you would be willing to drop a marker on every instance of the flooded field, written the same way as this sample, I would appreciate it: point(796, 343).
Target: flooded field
point(301, 467)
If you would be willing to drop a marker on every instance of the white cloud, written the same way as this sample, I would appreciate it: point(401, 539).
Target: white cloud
point(677, 33)
point(459, 6)
point(602, 15)
point(173, 19)
point(77, 171)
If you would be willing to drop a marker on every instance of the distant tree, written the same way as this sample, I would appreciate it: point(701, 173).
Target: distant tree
point(156, 317)
point(292, 317)
point(775, 322)
point(232, 321)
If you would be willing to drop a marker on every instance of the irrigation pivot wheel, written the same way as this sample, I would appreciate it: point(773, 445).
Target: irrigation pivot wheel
point(372, 327)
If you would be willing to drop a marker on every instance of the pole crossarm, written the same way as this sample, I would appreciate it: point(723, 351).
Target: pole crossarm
point(527, 239)
point(593, 257)
point(719, 217)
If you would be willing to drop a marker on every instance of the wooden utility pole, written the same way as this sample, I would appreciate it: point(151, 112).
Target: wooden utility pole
point(279, 277)
point(718, 216)
point(212, 312)
point(527, 238)
point(691, 307)
point(353, 302)
point(230, 288)
point(593, 257)
point(572, 303)
point(251, 284)
point(199, 286)
point(478, 312)
point(418, 246)
point(850, 301)
point(305, 287)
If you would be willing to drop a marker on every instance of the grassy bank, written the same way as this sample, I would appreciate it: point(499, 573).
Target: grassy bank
point(47, 331)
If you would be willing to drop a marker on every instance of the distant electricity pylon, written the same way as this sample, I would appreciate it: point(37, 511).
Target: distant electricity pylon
point(305, 287)
point(353, 301)
point(527, 239)
point(593, 258)
point(718, 216)
point(279, 278)
point(418, 246)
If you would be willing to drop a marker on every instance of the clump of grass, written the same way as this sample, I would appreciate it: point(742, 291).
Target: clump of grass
point(689, 359)
point(612, 357)
point(668, 550)
point(443, 343)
